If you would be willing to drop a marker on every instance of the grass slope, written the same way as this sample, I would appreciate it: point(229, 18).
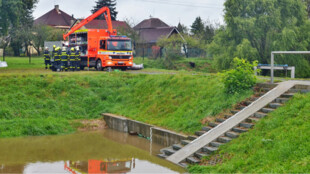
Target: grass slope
point(277, 144)
point(46, 103)
point(202, 64)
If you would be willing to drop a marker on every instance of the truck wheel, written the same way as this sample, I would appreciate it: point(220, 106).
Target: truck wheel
point(99, 65)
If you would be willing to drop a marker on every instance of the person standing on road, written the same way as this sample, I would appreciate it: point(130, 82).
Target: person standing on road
point(47, 58)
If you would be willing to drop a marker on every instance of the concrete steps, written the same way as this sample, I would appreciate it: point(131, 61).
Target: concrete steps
point(243, 126)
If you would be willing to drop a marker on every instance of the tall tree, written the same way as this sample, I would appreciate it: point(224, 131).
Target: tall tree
point(24, 24)
point(182, 28)
point(255, 28)
point(197, 27)
point(106, 3)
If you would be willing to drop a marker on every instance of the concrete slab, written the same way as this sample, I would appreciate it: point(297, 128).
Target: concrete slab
point(227, 125)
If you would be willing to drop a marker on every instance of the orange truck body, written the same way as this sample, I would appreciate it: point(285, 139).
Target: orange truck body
point(101, 48)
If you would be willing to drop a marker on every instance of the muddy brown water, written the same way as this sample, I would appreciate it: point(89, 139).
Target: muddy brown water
point(104, 151)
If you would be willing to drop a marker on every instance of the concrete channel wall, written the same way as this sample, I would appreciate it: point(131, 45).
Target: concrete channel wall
point(158, 135)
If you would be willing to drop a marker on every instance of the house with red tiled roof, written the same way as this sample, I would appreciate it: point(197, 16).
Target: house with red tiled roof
point(150, 31)
point(56, 18)
point(59, 19)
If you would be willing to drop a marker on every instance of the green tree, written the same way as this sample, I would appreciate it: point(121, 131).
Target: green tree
point(106, 3)
point(197, 27)
point(255, 28)
point(16, 15)
point(208, 32)
point(241, 77)
point(182, 28)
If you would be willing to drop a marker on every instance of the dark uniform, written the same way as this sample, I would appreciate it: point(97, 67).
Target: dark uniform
point(64, 60)
point(77, 60)
point(71, 55)
point(53, 58)
point(57, 60)
point(47, 59)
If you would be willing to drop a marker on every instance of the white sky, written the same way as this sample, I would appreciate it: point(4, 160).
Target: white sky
point(170, 11)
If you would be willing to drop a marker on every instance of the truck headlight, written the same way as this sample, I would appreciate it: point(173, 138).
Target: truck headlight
point(130, 63)
point(110, 63)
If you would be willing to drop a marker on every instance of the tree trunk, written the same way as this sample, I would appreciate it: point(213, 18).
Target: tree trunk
point(29, 54)
point(4, 53)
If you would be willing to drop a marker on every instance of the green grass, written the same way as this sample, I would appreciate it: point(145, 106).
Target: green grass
point(202, 64)
point(177, 102)
point(23, 62)
point(277, 144)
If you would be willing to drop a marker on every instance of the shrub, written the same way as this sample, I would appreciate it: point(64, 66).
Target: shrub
point(241, 77)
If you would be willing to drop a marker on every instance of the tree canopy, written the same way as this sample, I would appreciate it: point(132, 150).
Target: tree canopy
point(254, 28)
point(106, 3)
point(197, 26)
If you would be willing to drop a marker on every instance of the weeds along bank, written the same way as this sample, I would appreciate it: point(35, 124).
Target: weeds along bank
point(47, 104)
point(278, 143)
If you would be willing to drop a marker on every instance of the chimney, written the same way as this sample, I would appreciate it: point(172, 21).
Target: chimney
point(57, 8)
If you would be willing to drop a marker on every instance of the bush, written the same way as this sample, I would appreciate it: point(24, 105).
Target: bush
point(241, 77)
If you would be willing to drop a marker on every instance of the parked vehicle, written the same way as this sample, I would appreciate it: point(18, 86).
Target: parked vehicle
point(101, 48)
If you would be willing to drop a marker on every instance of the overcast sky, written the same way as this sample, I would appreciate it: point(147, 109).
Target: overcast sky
point(170, 11)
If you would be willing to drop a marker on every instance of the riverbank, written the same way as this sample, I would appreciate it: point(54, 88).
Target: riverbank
point(46, 104)
point(278, 143)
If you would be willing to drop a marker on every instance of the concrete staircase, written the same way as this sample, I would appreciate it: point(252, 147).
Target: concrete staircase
point(242, 118)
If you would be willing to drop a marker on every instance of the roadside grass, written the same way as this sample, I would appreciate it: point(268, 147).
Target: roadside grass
point(177, 102)
point(277, 144)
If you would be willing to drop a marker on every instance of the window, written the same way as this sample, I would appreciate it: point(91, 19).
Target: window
point(119, 45)
point(102, 44)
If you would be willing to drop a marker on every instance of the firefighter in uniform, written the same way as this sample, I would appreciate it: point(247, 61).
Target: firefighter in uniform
point(77, 58)
point(53, 58)
point(71, 54)
point(64, 59)
point(57, 60)
point(47, 58)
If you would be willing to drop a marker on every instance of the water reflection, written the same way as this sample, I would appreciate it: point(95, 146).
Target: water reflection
point(88, 152)
point(98, 166)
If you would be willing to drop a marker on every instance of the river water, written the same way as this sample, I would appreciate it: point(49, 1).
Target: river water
point(104, 151)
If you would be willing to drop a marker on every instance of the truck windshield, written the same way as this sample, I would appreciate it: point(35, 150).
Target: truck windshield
point(119, 45)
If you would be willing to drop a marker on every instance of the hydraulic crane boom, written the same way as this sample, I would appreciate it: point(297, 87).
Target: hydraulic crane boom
point(107, 16)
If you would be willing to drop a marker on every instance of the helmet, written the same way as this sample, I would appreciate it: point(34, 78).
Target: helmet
point(77, 48)
point(54, 46)
point(72, 49)
point(46, 48)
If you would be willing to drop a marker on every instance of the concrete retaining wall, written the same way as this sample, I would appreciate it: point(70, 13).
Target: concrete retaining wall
point(159, 135)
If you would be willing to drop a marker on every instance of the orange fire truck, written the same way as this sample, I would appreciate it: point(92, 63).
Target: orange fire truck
point(101, 48)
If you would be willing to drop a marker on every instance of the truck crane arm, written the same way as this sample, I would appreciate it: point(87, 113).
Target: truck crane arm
point(107, 16)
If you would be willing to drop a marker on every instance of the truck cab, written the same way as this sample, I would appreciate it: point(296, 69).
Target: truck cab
point(115, 52)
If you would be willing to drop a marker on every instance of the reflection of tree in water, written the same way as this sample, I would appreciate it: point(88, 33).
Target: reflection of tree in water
point(98, 166)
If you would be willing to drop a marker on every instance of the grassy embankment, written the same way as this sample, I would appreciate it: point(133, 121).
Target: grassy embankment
point(21, 65)
point(202, 64)
point(277, 144)
point(39, 104)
